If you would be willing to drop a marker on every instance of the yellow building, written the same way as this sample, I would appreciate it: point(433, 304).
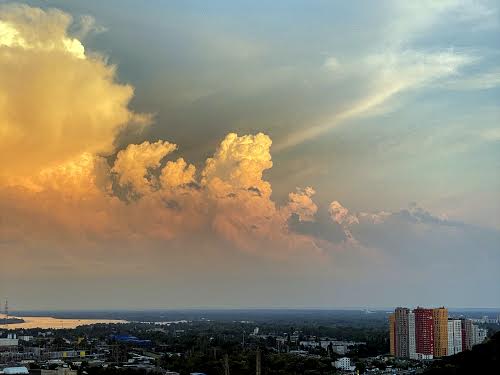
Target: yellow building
point(440, 322)
point(392, 333)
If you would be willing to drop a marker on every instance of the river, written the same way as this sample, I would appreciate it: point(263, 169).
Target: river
point(47, 322)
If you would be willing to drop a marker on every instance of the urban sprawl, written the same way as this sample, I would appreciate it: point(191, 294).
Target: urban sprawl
point(301, 342)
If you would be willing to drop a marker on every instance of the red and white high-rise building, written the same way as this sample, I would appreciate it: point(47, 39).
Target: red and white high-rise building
point(424, 333)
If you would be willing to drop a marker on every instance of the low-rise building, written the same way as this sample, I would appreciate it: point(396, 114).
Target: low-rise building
point(15, 371)
point(344, 363)
point(8, 342)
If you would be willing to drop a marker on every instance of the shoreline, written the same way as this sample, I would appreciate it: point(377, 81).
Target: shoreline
point(48, 322)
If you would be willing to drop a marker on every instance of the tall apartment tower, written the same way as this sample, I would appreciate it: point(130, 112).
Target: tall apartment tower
point(440, 327)
point(451, 337)
point(454, 336)
point(467, 335)
point(392, 333)
point(424, 333)
point(402, 332)
point(412, 344)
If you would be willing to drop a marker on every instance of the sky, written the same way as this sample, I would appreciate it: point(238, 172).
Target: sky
point(226, 154)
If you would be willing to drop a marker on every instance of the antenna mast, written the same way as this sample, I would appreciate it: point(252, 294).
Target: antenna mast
point(258, 363)
point(226, 364)
point(6, 313)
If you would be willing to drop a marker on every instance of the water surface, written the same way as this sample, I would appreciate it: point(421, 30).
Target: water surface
point(47, 322)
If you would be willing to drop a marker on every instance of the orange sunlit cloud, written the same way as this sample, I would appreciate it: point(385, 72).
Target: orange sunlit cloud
point(56, 101)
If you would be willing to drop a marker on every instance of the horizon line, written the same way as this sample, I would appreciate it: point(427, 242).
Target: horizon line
point(226, 308)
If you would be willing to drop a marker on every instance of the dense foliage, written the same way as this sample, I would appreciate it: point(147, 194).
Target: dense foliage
point(482, 359)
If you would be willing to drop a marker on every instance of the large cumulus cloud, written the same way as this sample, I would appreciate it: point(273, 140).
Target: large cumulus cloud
point(56, 100)
point(60, 113)
point(142, 195)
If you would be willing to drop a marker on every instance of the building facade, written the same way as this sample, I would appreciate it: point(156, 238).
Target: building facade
point(440, 327)
point(392, 334)
point(402, 332)
point(467, 335)
point(429, 333)
point(412, 345)
point(454, 336)
point(424, 332)
point(479, 334)
point(344, 363)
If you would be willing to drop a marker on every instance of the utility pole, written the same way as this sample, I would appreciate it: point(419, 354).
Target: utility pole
point(6, 314)
point(226, 364)
point(258, 364)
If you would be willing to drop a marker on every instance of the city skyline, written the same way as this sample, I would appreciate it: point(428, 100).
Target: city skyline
point(430, 333)
point(287, 155)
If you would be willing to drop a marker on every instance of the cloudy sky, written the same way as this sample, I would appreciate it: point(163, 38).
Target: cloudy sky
point(241, 154)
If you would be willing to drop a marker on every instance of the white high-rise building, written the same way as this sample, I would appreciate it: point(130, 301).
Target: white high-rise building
point(412, 345)
point(451, 349)
point(454, 336)
point(474, 334)
point(480, 334)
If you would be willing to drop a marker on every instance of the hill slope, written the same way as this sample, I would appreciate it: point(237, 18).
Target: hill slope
point(482, 359)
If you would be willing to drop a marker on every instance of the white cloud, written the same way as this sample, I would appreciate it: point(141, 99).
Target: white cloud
point(491, 134)
point(86, 25)
point(400, 67)
point(481, 81)
point(391, 73)
point(332, 63)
